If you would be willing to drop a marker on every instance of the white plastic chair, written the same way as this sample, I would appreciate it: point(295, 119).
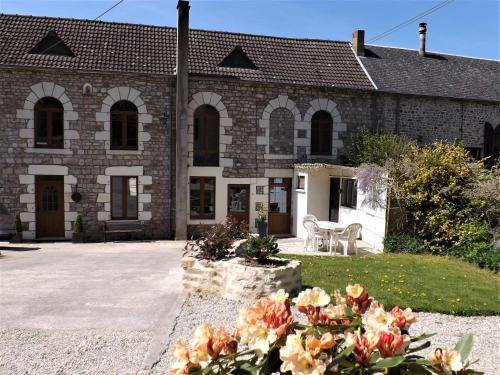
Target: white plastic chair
point(348, 238)
point(309, 217)
point(314, 234)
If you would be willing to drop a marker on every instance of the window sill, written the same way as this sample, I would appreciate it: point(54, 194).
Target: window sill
point(124, 152)
point(50, 151)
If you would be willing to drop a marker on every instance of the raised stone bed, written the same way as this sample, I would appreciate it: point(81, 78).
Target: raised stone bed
point(239, 282)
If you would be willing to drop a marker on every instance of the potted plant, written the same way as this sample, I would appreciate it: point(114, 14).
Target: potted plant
point(18, 237)
point(77, 230)
point(261, 221)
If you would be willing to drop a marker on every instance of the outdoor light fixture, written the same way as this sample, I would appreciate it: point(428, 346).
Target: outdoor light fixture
point(75, 195)
point(237, 163)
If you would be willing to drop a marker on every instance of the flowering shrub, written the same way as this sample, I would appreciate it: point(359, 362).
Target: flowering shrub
point(356, 335)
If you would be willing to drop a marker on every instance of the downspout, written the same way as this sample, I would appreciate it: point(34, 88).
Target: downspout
point(181, 104)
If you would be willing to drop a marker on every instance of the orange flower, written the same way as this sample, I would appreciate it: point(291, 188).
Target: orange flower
point(363, 346)
point(315, 346)
point(446, 360)
point(391, 344)
point(402, 318)
point(262, 324)
point(181, 359)
point(358, 299)
point(222, 342)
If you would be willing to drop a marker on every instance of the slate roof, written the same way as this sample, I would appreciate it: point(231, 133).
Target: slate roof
point(109, 46)
point(403, 71)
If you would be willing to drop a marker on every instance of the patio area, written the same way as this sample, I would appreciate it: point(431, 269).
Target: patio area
point(295, 245)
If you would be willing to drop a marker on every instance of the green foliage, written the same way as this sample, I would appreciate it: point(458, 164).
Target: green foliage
point(258, 249)
point(403, 243)
point(77, 224)
point(215, 242)
point(475, 245)
point(464, 346)
point(367, 147)
point(430, 184)
point(18, 223)
point(423, 282)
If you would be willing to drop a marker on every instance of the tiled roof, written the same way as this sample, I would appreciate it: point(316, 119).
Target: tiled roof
point(404, 71)
point(107, 46)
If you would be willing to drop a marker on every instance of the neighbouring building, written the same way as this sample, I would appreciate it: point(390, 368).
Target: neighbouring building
point(94, 120)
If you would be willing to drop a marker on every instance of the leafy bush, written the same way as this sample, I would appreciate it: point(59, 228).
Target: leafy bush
point(403, 243)
point(430, 184)
point(238, 230)
point(476, 245)
point(258, 249)
point(215, 242)
point(368, 147)
point(17, 222)
point(77, 224)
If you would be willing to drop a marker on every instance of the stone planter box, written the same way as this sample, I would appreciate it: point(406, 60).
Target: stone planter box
point(239, 282)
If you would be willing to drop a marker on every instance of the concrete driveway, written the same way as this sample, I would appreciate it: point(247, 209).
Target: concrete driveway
point(125, 285)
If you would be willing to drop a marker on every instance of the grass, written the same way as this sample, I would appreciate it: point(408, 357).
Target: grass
point(422, 282)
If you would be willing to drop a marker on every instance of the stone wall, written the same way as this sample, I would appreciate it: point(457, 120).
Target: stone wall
point(232, 280)
point(86, 157)
point(429, 119)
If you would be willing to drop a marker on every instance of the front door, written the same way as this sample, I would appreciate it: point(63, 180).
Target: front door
point(334, 199)
point(238, 202)
point(49, 198)
point(280, 201)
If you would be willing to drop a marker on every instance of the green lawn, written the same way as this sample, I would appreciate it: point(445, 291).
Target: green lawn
point(422, 282)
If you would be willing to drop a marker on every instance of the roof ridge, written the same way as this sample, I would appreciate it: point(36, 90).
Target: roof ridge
point(174, 28)
point(435, 52)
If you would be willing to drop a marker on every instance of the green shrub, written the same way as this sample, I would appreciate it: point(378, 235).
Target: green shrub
point(77, 224)
point(18, 223)
point(430, 184)
point(368, 147)
point(403, 243)
point(258, 249)
point(475, 245)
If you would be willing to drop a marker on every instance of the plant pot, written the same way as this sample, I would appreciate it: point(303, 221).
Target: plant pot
point(17, 238)
point(262, 228)
point(77, 237)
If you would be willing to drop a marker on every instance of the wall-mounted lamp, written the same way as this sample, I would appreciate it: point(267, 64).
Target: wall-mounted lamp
point(75, 195)
point(237, 163)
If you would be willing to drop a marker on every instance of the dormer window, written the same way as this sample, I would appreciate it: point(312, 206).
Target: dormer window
point(52, 44)
point(237, 58)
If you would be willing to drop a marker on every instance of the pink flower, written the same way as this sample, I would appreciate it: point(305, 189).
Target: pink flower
point(358, 298)
point(402, 318)
point(391, 344)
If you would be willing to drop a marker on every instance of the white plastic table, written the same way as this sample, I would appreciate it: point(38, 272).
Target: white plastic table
point(332, 228)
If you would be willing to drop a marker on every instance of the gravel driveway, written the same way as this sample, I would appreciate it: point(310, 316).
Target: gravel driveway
point(197, 310)
point(85, 308)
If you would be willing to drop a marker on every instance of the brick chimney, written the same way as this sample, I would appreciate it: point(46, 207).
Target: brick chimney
point(181, 120)
point(358, 42)
point(422, 30)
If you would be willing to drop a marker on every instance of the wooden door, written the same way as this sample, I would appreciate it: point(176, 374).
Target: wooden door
point(238, 202)
point(280, 199)
point(49, 198)
point(334, 199)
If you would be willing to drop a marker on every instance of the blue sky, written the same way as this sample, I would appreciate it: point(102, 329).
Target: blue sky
point(464, 27)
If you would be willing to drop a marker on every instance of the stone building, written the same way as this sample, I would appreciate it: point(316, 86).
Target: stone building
point(90, 107)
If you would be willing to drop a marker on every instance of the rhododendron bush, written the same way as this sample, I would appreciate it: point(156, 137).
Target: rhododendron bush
point(353, 334)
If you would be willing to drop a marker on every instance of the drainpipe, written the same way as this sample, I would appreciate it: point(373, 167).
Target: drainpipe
point(182, 92)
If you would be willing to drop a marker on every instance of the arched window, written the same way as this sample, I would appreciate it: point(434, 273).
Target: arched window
point(206, 136)
point(281, 122)
point(321, 133)
point(49, 123)
point(124, 126)
point(491, 143)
